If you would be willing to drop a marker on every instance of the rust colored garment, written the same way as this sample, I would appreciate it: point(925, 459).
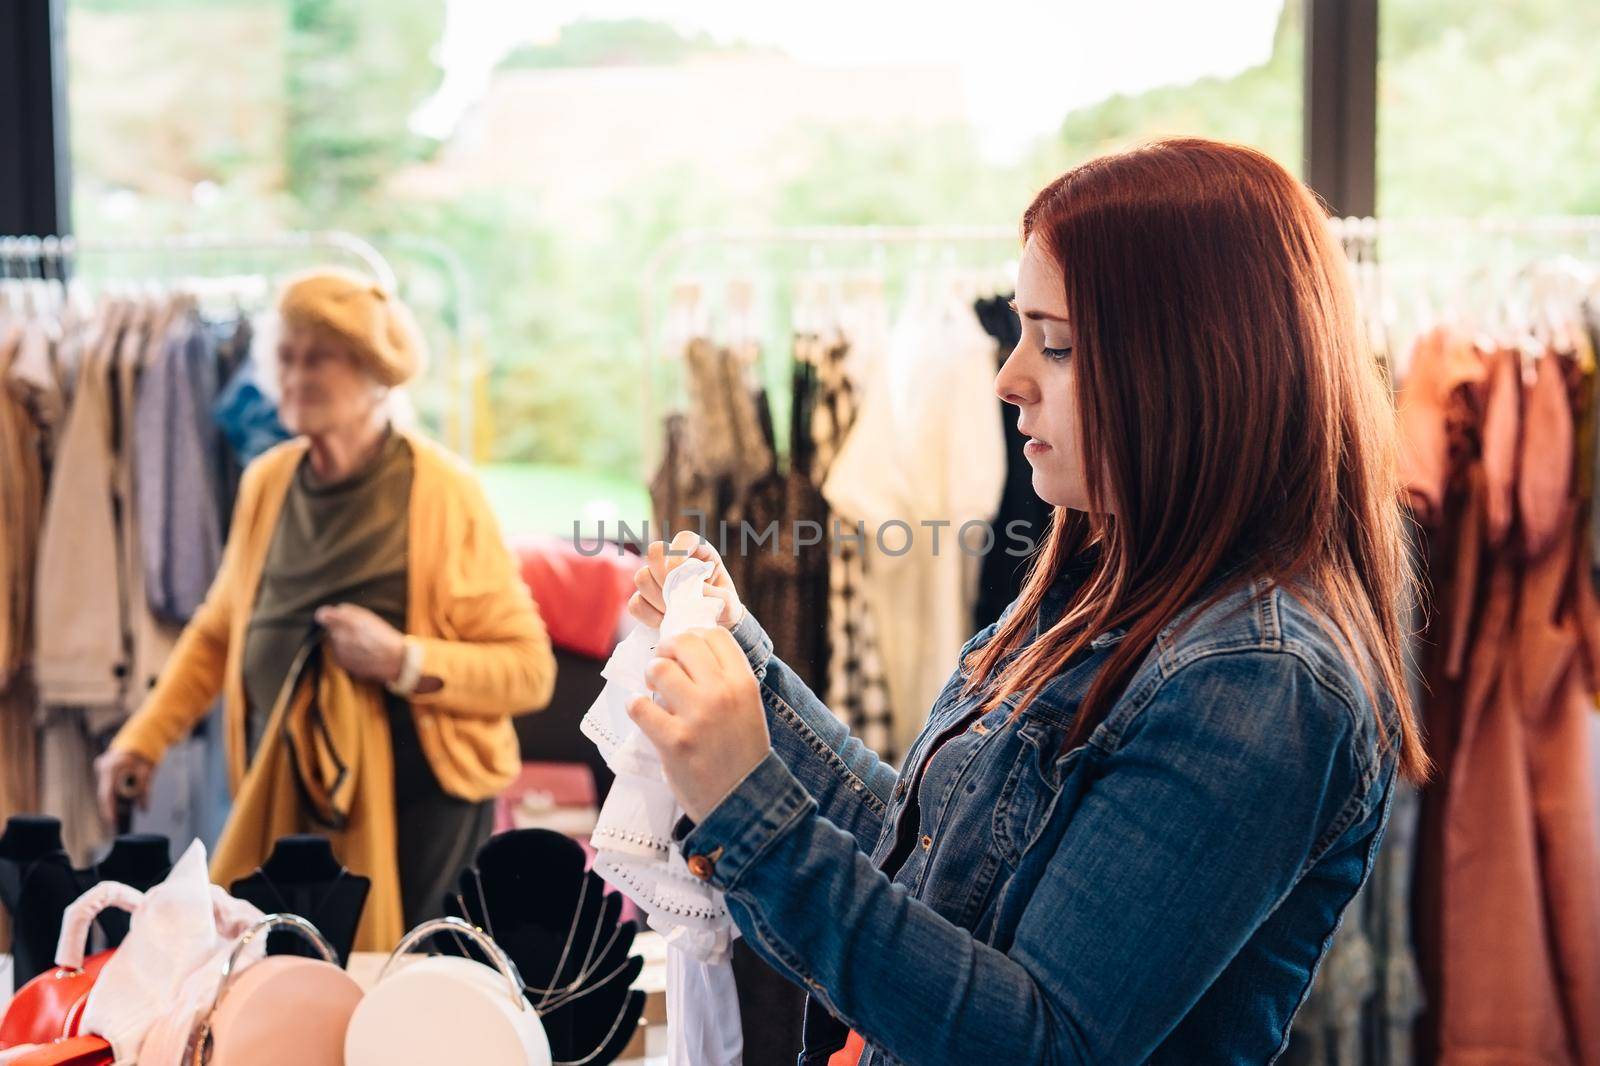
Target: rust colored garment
point(1544, 471)
point(850, 1054)
point(1445, 382)
point(1508, 880)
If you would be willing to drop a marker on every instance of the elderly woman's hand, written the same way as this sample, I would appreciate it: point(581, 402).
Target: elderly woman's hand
point(706, 721)
point(367, 647)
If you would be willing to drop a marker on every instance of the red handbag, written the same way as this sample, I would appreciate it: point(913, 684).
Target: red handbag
point(51, 1005)
point(70, 1051)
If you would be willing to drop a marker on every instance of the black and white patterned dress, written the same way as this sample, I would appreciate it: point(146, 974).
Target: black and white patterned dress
point(857, 689)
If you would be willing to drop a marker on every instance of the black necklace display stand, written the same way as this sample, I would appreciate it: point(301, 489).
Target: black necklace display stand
point(529, 890)
point(37, 883)
point(303, 877)
point(141, 860)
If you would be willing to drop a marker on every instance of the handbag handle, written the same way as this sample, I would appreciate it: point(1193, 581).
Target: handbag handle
point(76, 920)
point(497, 955)
point(231, 969)
point(198, 1049)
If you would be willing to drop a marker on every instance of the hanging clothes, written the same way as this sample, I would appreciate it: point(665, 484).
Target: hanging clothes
point(925, 459)
point(21, 497)
point(21, 511)
point(858, 688)
point(68, 740)
point(250, 426)
point(92, 397)
point(1507, 902)
point(247, 416)
point(720, 476)
point(777, 537)
point(149, 640)
point(1588, 338)
point(715, 447)
point(22, 445)
point(79, 654)
point(175, 446)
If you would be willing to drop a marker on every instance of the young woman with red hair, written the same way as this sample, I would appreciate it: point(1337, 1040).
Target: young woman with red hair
point(1147, 793)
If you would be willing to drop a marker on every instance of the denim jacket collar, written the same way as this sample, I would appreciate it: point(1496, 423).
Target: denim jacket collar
point(1062, 693)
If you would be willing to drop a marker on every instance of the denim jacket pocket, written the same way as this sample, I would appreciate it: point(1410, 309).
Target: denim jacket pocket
point(1030, 787)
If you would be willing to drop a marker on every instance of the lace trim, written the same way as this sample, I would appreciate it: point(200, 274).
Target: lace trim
point(630, 836)
point(647, 896)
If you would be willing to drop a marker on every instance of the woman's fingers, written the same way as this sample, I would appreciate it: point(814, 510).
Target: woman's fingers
point(655, 721)
point(731, 610)
point(729, 656)
point(690, 651)
point(668, 680)
point(643, 612)
point(655, 556)
point(661, 559)
point(649, 586)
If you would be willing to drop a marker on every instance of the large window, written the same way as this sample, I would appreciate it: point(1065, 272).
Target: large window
point(1488, 109)
point(519, 163)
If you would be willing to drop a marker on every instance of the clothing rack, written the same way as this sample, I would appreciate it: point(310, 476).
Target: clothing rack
point(51, 257)
point(1355, 226)
point(1347, 228)
point(1351, 230)
point(697, 241)
point(42, 252)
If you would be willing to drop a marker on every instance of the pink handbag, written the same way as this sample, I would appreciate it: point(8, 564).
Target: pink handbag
point(278, 1009)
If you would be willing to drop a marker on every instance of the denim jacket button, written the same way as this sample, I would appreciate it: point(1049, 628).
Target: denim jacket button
point(700, 866)
point(927, 842)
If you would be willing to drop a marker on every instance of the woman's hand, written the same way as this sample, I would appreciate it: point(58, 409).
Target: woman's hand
point(648, 605)
point(706, 721)
point(124, 775)
point(364, 645)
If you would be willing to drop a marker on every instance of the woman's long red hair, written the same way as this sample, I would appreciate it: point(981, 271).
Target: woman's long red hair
point(1231, 409)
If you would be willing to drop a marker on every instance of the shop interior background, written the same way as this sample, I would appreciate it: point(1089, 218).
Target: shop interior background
point(519, 164)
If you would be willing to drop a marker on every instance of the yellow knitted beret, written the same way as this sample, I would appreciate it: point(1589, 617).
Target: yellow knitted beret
point(380, 330)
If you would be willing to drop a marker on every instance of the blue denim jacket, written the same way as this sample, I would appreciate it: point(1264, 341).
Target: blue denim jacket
point(1163, 893)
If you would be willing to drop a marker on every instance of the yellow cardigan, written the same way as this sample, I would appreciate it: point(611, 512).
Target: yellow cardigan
point(467, 607)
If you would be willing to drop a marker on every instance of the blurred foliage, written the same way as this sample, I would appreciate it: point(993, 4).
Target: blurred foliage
point(889, 176)
point(618, 43)
point(355, 71)
point(1259, 106)
point(1488, 109)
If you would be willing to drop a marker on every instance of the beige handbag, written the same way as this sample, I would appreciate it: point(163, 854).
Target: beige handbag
point(447, 1009)
point(278, 1009)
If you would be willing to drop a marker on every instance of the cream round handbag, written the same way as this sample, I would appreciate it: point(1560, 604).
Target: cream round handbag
point(447, 1009)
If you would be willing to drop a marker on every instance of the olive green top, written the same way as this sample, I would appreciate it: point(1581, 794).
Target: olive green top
point(341, 542)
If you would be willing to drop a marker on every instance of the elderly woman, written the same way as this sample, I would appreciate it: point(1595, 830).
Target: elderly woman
point(367, 629)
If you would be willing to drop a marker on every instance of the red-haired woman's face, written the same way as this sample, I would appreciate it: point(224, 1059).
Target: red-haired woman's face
point(1038, 377)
